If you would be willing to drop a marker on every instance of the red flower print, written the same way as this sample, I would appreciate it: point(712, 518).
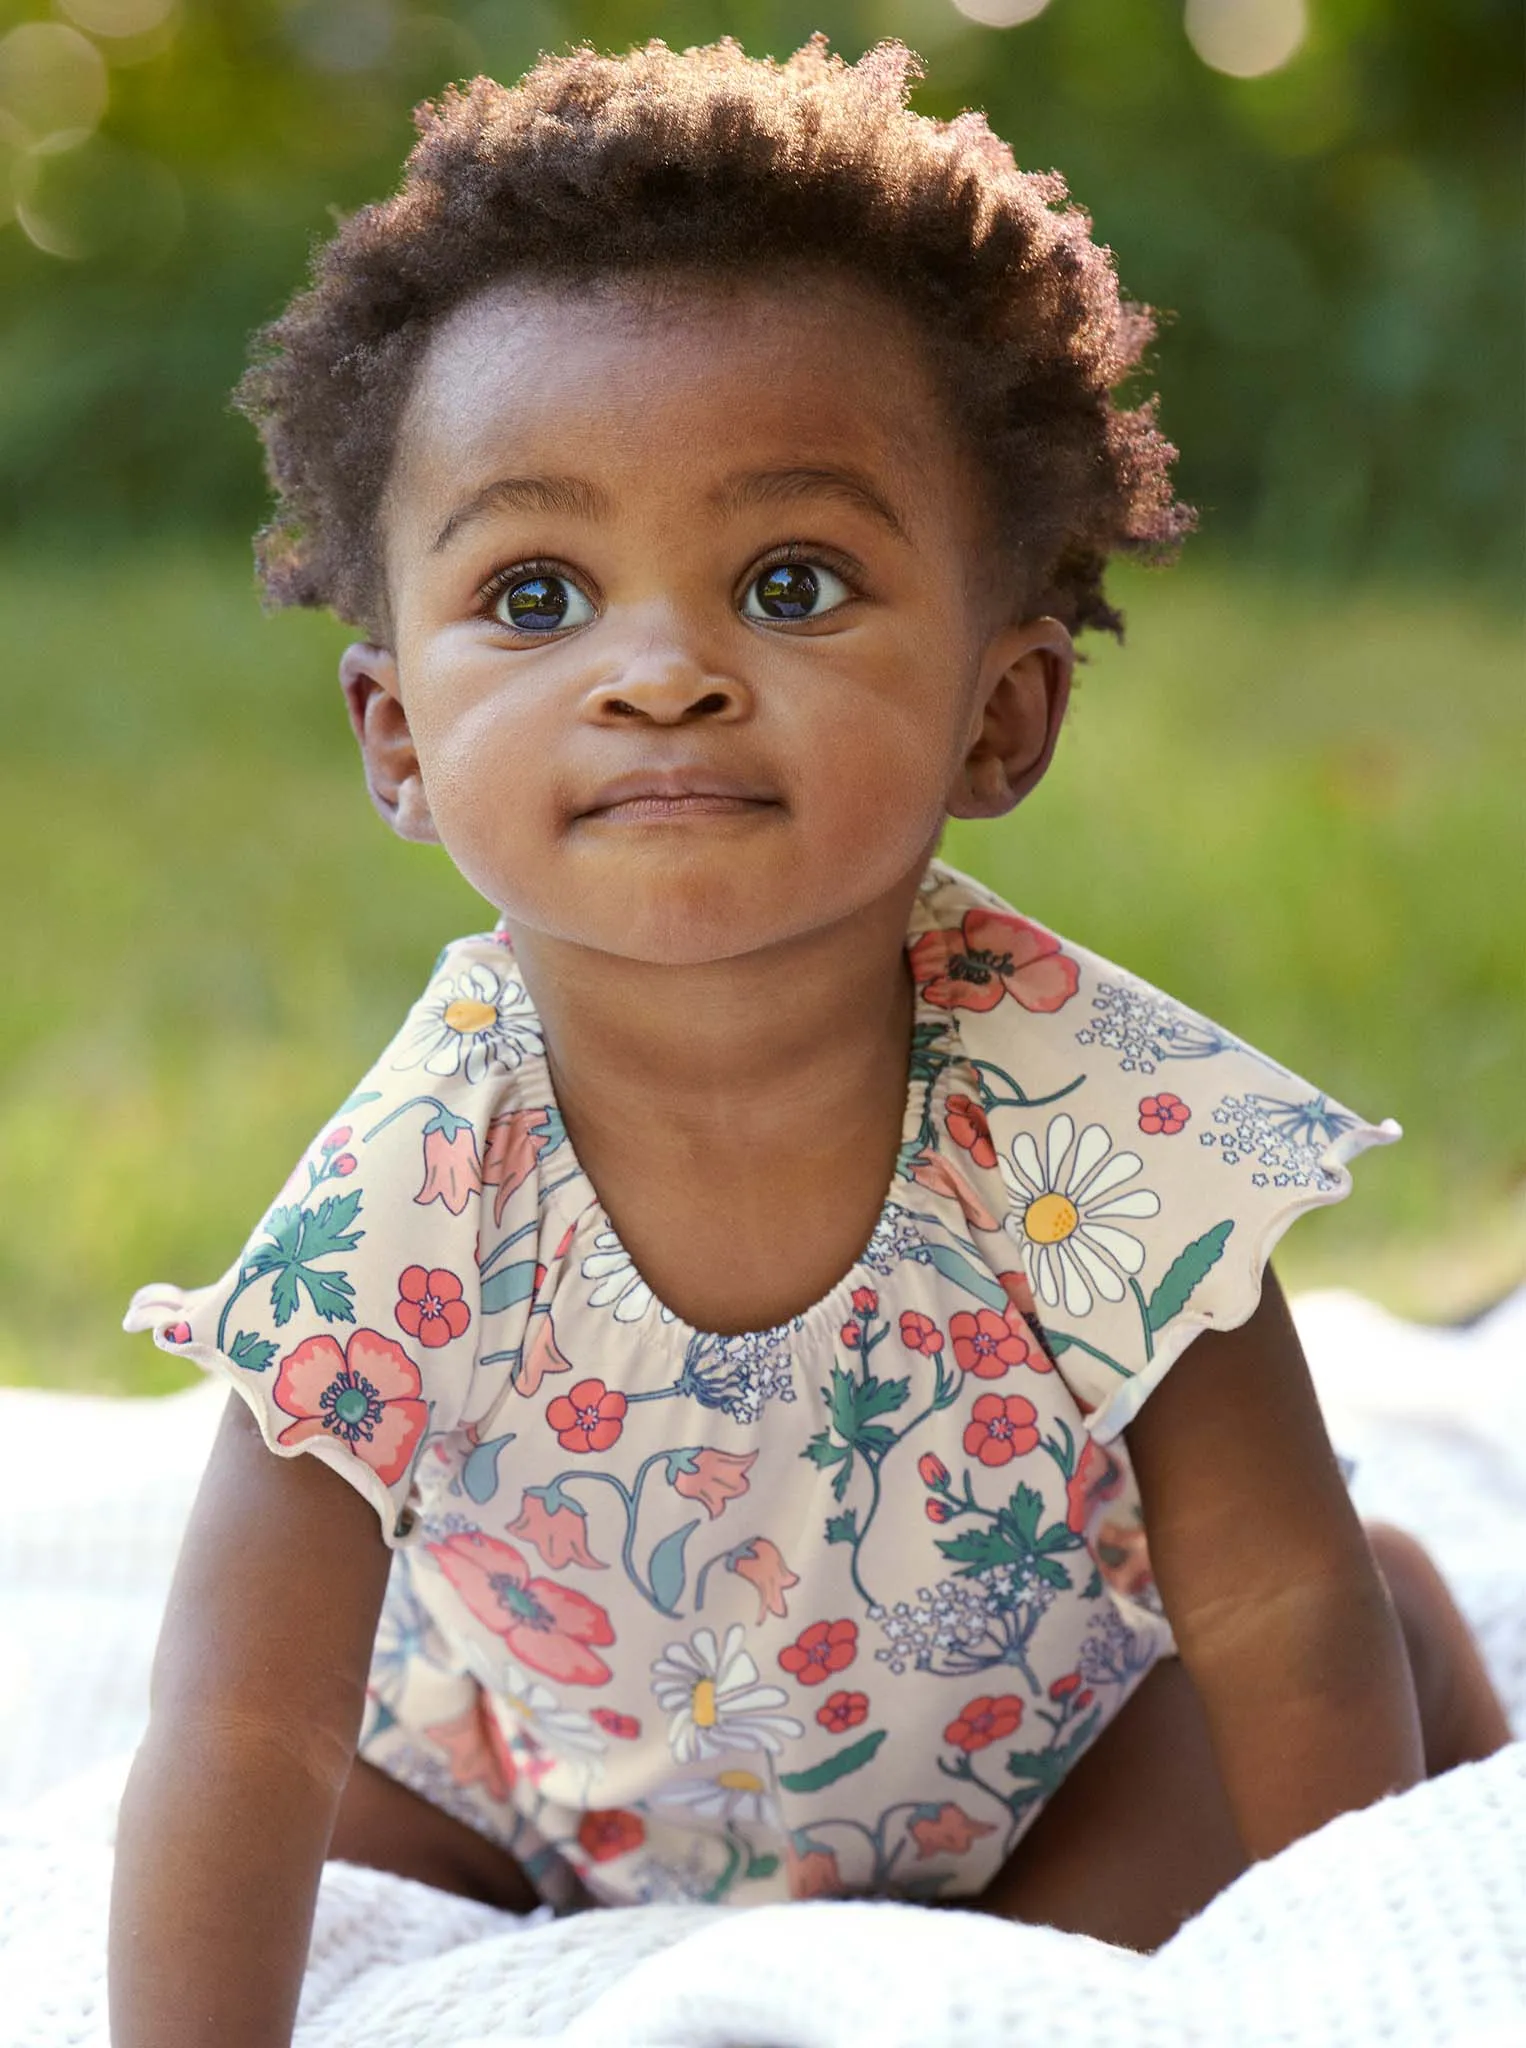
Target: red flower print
point(344, 1165)
point(624, 1727)
point(987, 1344)
point(850, 1335)
point(1164, 1113)
point(945, 1831)
point(1064, 1687)
point(514, 1143)
point(966, 1124)
point(604, 1836)
point(1084, 1700)
point(475, 1749)
point(559, 1534)
point(549, 1627)
point(451, 1171)
point(813, 1872)
point(590, 1418)
point(865, 1300)
point(338, 1138)
point(365, 1397)
point(931, 1170)
point(820, 1650)
point(1000, 1429)
point(992, 954)
point(984, 1720)
point(842, 1711)
point(540, 1354)
point(1098, 1477)
point(176, 1333)
point(713, 1477)
point(931, 1470)
point(937, 1510)
point(429, 1305)
point(920, 1333)
point(1123, 1558)
point(1019, 1291)
point(764, 1569)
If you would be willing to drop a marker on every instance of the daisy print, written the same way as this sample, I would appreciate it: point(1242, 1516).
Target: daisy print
point(711, 1695)
point(473, 1023)
point(739, 1795)
point(617, 1283)
point(1065, 1212)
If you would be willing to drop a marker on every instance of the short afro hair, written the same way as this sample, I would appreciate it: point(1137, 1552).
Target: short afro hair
point(600, 167)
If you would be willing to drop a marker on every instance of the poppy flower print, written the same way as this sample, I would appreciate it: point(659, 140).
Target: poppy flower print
point(429, 1305)
point(603, 1836)
point(920, 1333)
point(365, 1397)
point(993, 954)
point(965, 1121)
point(549, 1627)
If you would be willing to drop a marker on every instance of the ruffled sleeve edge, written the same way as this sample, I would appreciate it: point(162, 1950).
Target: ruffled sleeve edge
point(156, 1306)
point(1233, 1295)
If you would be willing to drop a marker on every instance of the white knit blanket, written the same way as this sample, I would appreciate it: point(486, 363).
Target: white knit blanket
point(1405, 1924)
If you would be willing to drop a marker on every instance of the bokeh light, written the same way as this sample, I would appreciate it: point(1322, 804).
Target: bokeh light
point(1001, 13)
point(52, 83)
point(119, 17)
point(1246, 38)
point(92, 198)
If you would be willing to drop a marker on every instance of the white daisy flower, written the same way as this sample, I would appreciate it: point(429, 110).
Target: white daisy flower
point(713, 1700)
point(1063, 1214)
point(613, 1270)
point(729, 1795)
point(526, 1703)
point(476, 1020)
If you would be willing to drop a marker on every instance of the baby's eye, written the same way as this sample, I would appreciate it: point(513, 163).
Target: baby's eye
point(542, 603)
point(794, 590)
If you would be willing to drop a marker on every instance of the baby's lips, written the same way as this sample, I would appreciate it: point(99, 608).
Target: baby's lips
point(675, 781)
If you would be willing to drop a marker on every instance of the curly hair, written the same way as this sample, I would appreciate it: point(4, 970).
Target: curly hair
point(690, 162)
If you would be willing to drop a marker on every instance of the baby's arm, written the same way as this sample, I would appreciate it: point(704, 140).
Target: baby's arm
point(258, 1688)
point(1279, 1612)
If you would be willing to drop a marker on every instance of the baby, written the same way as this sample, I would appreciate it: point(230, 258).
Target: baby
point(700, 1402)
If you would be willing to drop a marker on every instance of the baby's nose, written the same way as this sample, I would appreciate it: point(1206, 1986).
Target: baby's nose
point(669, 686)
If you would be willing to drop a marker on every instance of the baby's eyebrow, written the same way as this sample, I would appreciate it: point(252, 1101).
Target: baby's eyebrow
point(782, 486)
point(571, 495)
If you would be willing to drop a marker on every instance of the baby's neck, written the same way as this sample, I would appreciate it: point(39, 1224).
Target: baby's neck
point(756, 1049)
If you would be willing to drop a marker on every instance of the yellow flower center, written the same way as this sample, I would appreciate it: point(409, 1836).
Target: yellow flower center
point(465, 1016)
point(1050, 1219)
point(702, 1704)
point(739, 1781)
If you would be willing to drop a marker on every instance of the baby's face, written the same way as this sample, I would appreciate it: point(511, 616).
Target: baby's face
point(689, 632)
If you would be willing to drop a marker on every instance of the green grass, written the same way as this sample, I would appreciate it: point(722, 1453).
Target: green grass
point(1298, 808)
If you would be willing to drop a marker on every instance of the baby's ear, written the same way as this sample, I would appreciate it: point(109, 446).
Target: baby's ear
point(368, 676)
point(1020, 699)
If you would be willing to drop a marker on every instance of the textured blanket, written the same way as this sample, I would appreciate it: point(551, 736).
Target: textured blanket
point(1405, 1924)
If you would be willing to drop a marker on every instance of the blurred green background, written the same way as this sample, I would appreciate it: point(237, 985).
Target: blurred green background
point(1295, 798)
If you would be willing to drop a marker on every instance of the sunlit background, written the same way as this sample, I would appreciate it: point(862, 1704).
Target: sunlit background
point(1294, 797)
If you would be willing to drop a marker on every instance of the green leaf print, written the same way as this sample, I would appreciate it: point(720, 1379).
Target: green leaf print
point(761, 1866)
point(831, 1768)
point(843, 1528)
point(1184, 1273)
point(665, 1569)
point(296, 1238)
point(507, 1286)
point(251, 1352)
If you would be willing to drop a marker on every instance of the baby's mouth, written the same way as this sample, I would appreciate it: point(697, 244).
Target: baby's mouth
point(672, 794)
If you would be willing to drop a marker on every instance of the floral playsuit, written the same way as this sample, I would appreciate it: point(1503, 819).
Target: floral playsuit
point(826, 1608)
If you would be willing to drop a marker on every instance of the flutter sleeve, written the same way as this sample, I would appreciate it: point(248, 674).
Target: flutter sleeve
point(1143, 1160)
point(351, 1322)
